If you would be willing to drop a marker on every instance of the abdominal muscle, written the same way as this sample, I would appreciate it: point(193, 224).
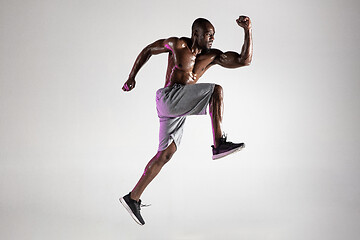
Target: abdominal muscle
point(181, 77)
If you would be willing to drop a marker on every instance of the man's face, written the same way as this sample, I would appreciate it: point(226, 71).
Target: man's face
point(206, 36)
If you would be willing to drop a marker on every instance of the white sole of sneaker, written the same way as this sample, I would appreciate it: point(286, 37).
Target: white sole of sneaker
point(221, 155)
point(123, 202)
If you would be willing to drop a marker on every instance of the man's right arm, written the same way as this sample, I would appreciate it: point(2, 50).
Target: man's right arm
point(233, 59)
point(160, 46)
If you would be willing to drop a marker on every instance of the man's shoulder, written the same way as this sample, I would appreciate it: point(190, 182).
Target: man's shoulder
point(177, 42)
point(184, 39)
point(212, 52)
point(178, 39)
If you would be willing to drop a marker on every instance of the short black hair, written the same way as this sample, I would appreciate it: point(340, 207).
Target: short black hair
point(199, 23)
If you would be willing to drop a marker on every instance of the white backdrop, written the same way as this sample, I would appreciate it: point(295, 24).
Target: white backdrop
point(72, 142)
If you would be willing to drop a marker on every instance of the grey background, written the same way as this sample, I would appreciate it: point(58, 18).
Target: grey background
point(72, 142)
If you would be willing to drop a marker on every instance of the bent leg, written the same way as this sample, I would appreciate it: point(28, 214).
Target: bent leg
point(152, 169)
point(216, 108)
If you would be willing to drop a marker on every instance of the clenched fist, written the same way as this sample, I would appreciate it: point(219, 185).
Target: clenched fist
point(129, 85)
point(244, 22)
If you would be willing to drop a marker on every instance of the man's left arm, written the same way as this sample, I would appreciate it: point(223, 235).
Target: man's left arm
point(234, 59)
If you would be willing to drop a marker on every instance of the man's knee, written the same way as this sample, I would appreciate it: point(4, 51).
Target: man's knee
point(218, 93)
point(167, 154)
point(218, 89)
point(164, 158)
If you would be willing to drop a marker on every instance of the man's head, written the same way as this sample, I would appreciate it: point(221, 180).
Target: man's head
point(203, 33)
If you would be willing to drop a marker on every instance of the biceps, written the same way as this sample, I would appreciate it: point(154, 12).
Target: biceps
point(229, 60)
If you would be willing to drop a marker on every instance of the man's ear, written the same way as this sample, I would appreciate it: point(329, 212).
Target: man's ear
point(195, 34)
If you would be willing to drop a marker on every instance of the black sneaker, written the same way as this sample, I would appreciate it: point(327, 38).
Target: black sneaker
point(133, 207)
point(225, 148)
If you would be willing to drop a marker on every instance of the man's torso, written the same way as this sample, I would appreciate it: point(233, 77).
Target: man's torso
point(184, 66)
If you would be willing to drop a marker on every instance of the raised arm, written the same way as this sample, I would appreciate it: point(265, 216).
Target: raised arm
point(234, 59)
point(152, 49)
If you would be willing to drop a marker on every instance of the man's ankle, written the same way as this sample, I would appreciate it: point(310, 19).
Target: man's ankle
point(217, 142)
point(133, 198)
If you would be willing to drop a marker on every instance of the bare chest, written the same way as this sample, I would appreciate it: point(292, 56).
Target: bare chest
point(186, 61)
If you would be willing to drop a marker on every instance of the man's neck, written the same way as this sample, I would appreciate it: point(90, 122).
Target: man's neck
point(195, 48)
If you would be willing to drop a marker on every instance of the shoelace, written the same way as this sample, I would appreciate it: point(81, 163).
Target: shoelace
point(145, 205)
point(139, 205)
point(224, 137)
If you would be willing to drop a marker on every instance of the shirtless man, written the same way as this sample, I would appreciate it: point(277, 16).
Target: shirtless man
point(188, 60)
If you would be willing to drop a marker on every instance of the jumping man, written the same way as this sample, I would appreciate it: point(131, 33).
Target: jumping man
point(188, 59)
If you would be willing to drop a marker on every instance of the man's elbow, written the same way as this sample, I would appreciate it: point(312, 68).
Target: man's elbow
point(247, 63)
point(244, 63)
point(244, 60)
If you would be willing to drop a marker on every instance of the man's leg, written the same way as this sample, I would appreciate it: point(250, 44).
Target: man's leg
point(216, 109)
point(221, 147)
point(132, 201)
point(152, 169)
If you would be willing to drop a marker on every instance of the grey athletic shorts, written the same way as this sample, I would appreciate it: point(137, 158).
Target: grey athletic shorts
point(174, 104)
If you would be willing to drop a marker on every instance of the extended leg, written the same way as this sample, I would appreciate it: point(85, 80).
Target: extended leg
point(216, 109)
point(132, 202)
point(152, 169)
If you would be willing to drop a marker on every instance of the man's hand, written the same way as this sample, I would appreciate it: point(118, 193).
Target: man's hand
point(244, 22)
point(129, 84)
